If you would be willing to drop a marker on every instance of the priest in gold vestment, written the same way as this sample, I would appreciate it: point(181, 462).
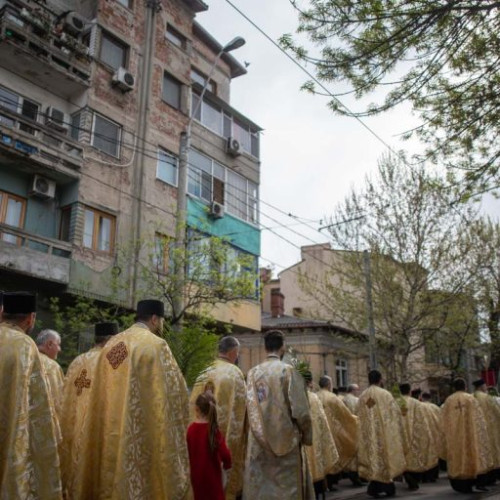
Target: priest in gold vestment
point(134, 443)
point(491, 413)
point(322, 455)
point(280, 423)
point(422, 453)
point(79, 381)
point(344, 427)
point(29, 460)
point(49, 345)
point(466, 440)
point(227, 382)
point(382, 446)
point(434, 417)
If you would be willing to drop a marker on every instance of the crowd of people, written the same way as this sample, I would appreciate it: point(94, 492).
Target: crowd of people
point(121, 423)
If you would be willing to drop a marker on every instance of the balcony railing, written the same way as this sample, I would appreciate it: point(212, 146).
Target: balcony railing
point(31, 44)
point(37, 141)
point(37, 256)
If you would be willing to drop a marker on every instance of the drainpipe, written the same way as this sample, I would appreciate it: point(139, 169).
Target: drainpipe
point(152, 8)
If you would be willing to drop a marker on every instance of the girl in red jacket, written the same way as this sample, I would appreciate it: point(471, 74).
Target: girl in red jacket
point(207, 449)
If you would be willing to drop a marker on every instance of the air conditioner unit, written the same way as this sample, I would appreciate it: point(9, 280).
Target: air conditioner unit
point(233, 146)
point(57, 119)
point(43, 188)
point(74, 23)
point(124, 80)
point(216, 210)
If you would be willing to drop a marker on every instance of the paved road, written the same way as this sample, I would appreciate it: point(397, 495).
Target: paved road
point(441, 490)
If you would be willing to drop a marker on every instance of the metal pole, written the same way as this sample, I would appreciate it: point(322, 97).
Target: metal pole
point(369, 310)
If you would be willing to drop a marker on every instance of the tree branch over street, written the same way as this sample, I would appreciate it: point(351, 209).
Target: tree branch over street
point(442, 56)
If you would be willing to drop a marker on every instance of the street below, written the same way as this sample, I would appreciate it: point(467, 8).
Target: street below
point(441, 490)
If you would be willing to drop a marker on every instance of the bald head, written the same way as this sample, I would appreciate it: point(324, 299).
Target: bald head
point(49, 343)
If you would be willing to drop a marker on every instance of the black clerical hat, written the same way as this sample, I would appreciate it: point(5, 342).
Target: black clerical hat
point(19, 302)
point(148, 307)
point(105, 329)
point(478, 383)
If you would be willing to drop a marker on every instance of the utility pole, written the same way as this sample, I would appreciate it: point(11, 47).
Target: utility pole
point(152, 8)
point(369, 310)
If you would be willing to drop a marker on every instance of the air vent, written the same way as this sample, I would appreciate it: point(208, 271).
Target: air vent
point(233, 146)
point(43, 188)
point(216, 210)
point(124, 80)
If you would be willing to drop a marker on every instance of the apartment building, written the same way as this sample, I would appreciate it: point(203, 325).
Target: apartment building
point(94, 97)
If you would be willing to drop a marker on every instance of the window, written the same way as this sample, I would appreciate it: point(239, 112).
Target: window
point(65, 225)
point(18, 104)
point(113, 52)
point(106, 135)
point(341, 371)
point(211, 181)
point(172, 91)
point(98, 230)
point(200, 78)
point(12, 210)
point(126, 3)
point(162, 254)
point(172, 35)
point(167, 168)
point(224, 124)
point(76, 126)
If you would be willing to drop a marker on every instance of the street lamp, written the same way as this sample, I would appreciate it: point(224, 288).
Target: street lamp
point(180, 228)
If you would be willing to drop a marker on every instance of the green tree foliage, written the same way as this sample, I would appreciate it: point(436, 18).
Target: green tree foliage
point(442, 56)
point(215, 274)
point(74, 319)
point(412, 231)
point(195, 348)
point(483, 237)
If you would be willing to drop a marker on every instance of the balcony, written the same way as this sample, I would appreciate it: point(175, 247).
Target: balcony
point(24, 141)
point(33, 255)
point(32, 46)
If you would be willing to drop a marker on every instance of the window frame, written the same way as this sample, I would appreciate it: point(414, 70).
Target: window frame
point(202, 80)
point(163, 151)
point(95, 114)
point(162, 262)
point(95, 230)
point(250, 202)
point(5, 196)
point(118, 42)
point(175, 37)
point(129, 5)
point(342, 372)
point(225, 116)
point(19, 110)
point(173, 80)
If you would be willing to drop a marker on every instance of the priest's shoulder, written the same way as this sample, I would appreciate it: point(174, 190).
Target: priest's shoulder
point(16, 337)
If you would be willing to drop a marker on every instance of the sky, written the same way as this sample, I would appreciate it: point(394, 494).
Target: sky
point(310, 158)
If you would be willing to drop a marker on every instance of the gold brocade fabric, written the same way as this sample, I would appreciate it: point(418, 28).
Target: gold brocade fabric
point(422, 451)
point(491, 413)
point(134, 441)
point(434, 417)
point(322, 456)
point(29, 460)
point(279, 418)
point(344, 427)
point(351, 402)
point(78, 383)
point(381, 450)
point(466, 437)
point(230, 394)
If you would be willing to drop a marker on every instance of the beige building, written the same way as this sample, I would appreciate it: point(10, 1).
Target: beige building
point(94, 96)
point(329, 349)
